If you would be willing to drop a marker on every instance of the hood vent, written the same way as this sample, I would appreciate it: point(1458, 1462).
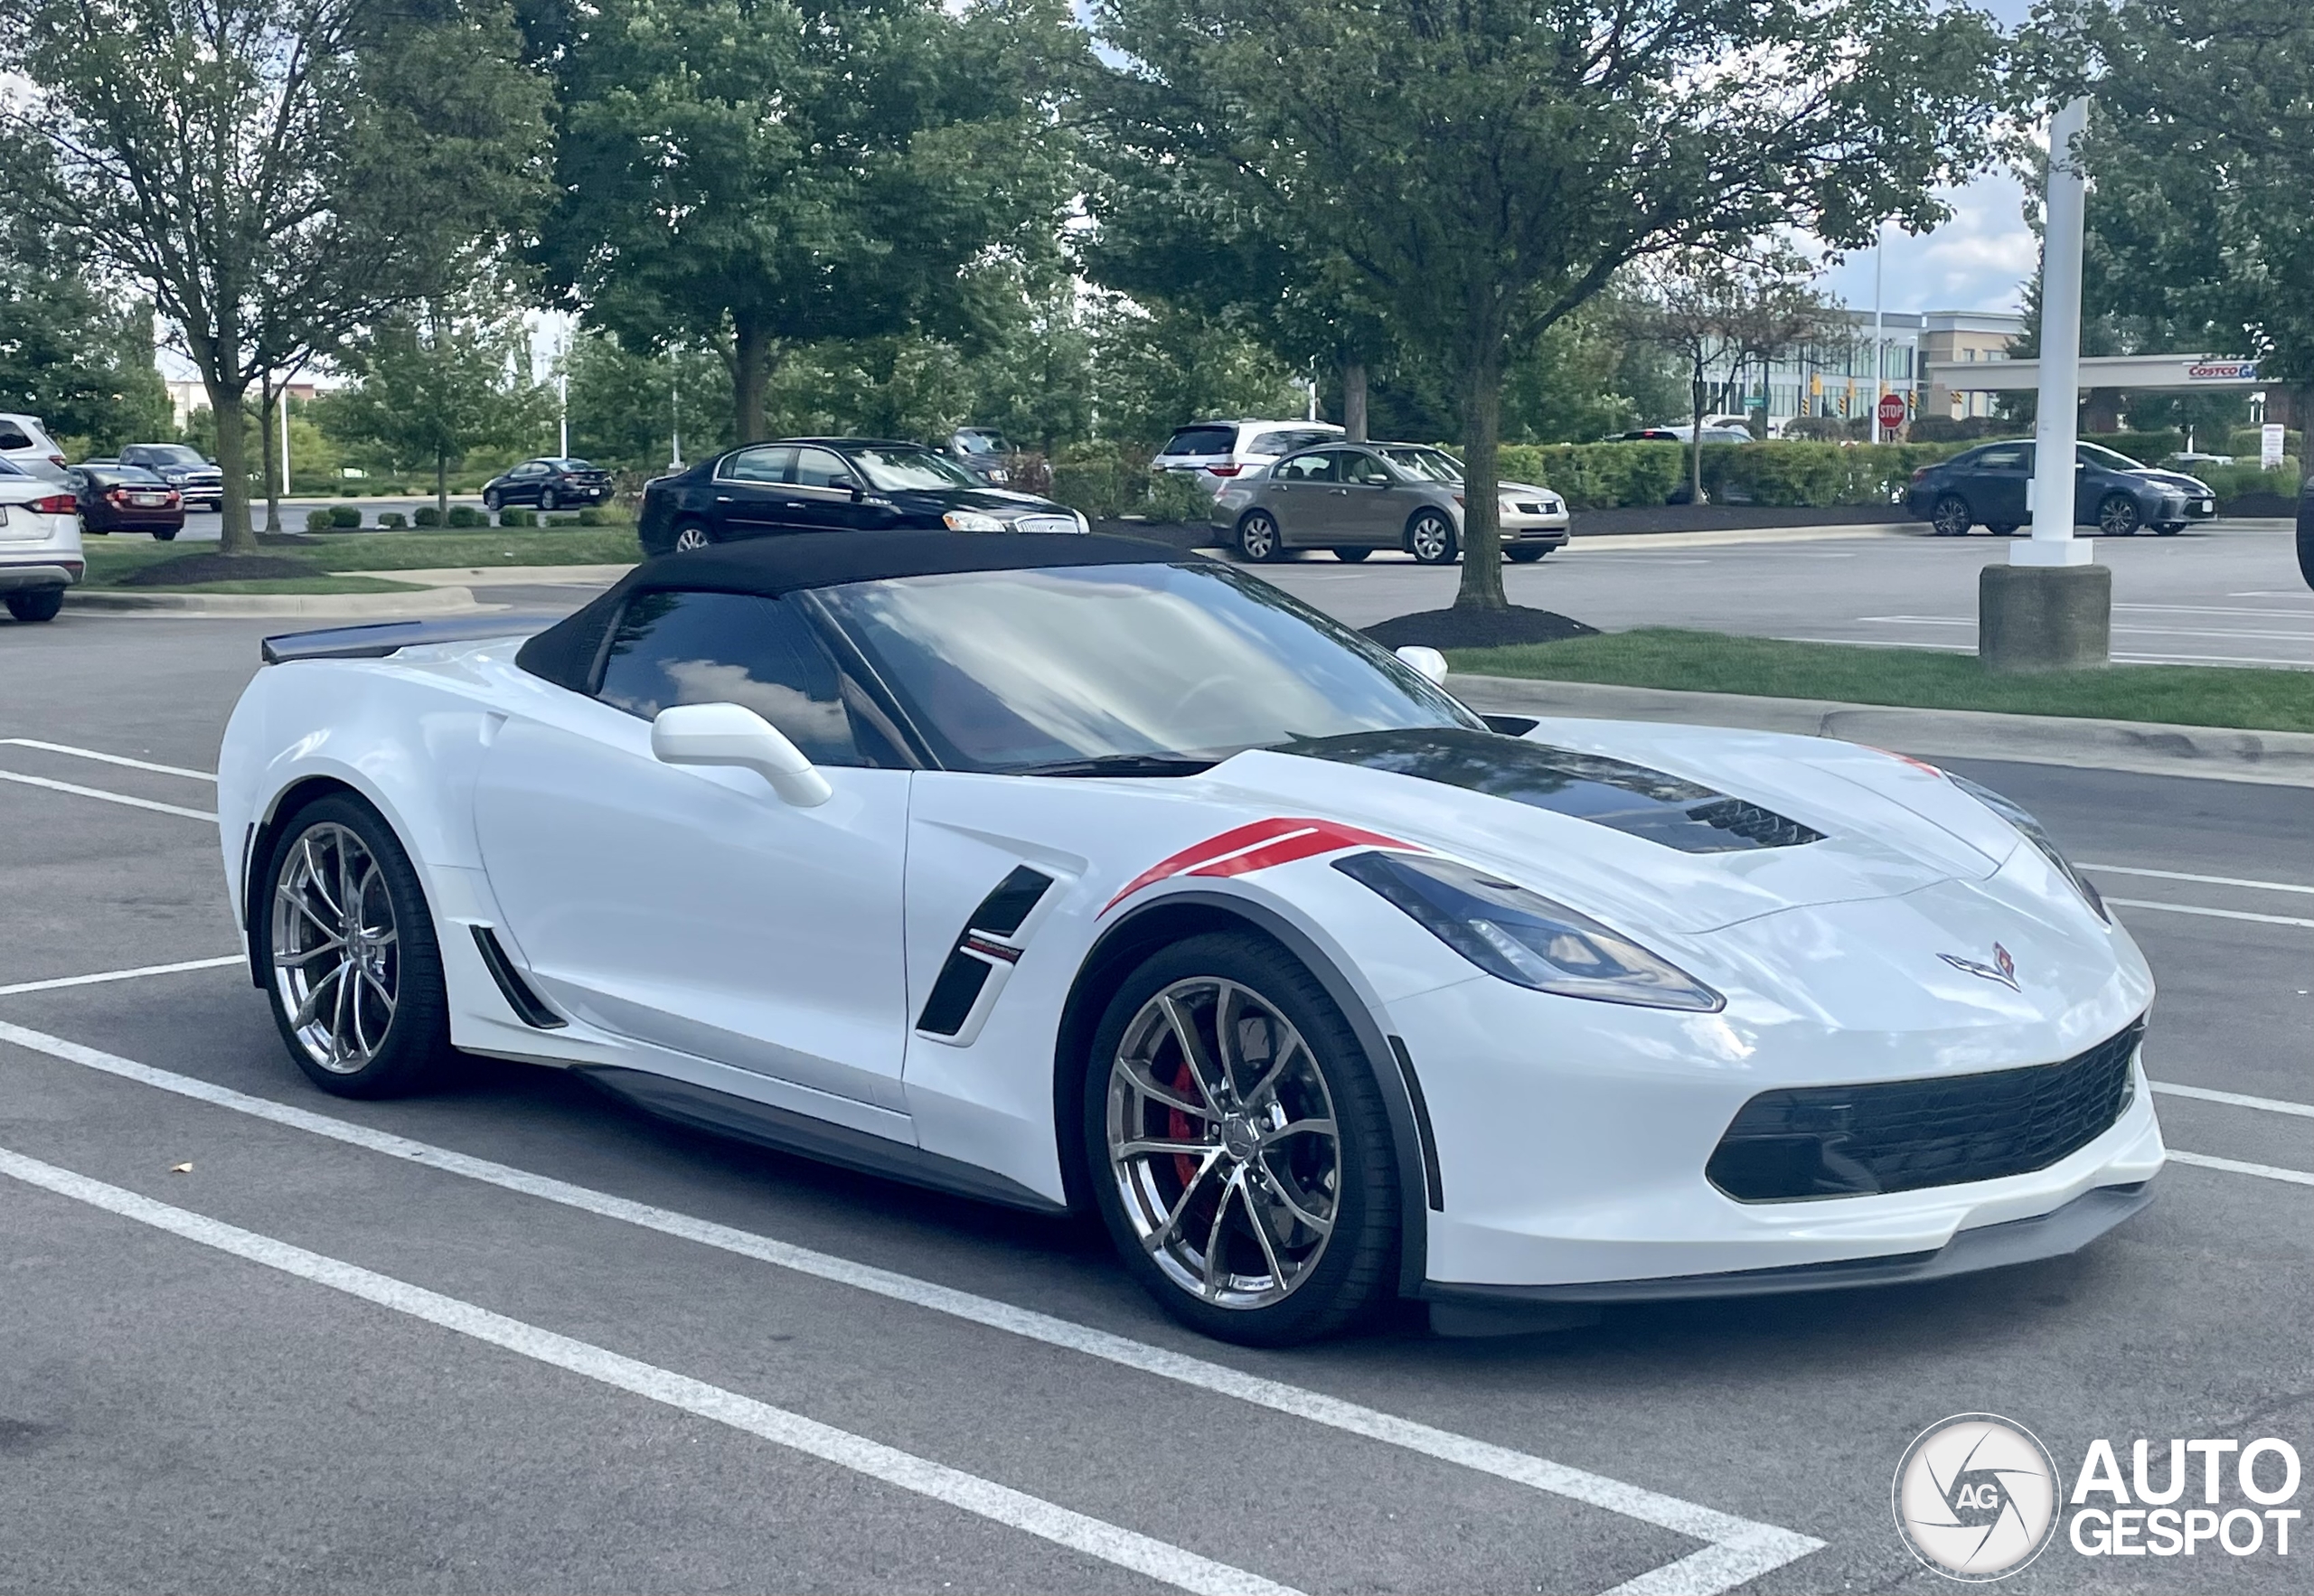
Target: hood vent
point(1612, 792)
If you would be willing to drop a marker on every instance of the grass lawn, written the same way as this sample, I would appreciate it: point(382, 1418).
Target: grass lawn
point(1715, 661)
point(110, 559)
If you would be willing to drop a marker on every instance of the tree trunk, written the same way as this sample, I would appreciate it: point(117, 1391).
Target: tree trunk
point(269, 413)
point(1353, 400)
point(235, 536)
point(1481, 588)
point(442, 486)
point(750, 367)
point(1695, 392)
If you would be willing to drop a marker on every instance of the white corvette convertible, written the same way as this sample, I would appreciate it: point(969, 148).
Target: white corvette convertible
point(1069, 873)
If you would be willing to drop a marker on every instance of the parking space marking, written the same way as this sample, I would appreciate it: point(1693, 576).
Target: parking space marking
point(80, 791)
point(101, 977)
point(78, 753)
point(2202, 1161)
point(1160, 1560)
point(2204, 880)
point(2147, 903)
point(2272, 1105)
point(1740, 1549)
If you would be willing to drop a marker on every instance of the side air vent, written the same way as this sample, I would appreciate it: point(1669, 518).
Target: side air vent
point(517, 992)
point(982, 949)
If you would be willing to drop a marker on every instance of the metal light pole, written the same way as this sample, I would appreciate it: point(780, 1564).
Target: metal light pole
point(1879, 338)
point(2051, 607)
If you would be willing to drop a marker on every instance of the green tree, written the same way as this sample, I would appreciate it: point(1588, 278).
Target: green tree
point(1490, 166)
point(756, 176)
point(435, 386)
point(278, 173)
point(628, 407)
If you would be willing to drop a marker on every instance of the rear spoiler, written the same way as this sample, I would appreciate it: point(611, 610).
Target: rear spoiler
point(381, 638)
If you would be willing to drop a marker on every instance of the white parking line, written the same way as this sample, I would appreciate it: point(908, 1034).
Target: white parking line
point(2147, 903)
point(80, 791)
point(78, 753)
point(2204, 880)
point(2202, 1161)
point(2216, 609)
point(2272, 1105)
point(1160, 1560)
point(108, 975)
point(1740, 1549)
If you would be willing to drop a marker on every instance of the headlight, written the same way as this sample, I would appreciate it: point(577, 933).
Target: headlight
point(2033, 833)
point(1523, 938)
point(971, 521)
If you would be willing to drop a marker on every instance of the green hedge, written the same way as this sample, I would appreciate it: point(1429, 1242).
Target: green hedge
point(426, 515)
point(2245, 444)
point(1105, 481)
point(2233, 482)
point(1601, 476)
point(518, 518)
point(465, 515)
point(2150, 449)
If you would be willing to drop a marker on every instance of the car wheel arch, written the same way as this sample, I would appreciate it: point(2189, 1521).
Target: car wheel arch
point(265, 830)
point(1178, 915)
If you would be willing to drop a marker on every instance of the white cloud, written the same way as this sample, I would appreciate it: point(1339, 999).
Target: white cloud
point(1980, 259)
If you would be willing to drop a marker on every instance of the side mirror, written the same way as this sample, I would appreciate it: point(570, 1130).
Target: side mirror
point(1429, 661)
point(732, 734)
point(845, 485)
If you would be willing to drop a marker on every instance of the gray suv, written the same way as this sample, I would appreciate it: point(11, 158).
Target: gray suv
point(1356, 498)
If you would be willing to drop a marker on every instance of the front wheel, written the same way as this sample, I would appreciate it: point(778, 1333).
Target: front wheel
point(2001, 529)
point(1352, 556)
point(1430, 539)
point(36, 604)
point(1952, 518)
point(1240, 1151)
point(2170, 528)
point(492, 502)
point(1259, 538)
point(355, 976)
point(547, 501)
point(2117, 517)
point(1524, 556)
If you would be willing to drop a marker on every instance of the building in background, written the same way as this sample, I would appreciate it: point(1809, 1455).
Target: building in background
point(1836, 379)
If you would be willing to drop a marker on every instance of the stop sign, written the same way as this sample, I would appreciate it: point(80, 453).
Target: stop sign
point(1892, 412)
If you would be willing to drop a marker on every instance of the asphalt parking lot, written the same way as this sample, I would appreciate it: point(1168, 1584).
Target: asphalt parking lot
point(516, 1336)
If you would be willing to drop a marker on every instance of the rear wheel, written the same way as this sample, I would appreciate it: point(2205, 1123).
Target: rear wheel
point(1952, 518)
point(1352, 556)
point(1259, 538)
point(1525, 556)
point(691, 537)
point(165, 534)
point(36, 604)
point(2001, 529)
point(2117, 517)
point(1241, 1152)
point(1430, 539)
point(355, 976)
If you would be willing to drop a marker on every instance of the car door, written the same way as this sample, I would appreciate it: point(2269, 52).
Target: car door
point(522, 484)
point(1997, 483)
point(689, 909)
point(825, 496)
point(1305, 495)
point(1375, 505)
point(752, 494)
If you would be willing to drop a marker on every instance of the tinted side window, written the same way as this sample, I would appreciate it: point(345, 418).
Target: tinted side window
point(1318, 467)
point(13, 436)
point(1201, 440)
point(1363, 468)
point(1283, 443)
point(2001, 460)
point(730, 648)
point(818, 468)
point(768, 464)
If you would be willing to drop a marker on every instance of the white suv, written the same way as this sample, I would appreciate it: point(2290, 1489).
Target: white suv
point(1220, 450)
point(26, 446)
point(39, 543)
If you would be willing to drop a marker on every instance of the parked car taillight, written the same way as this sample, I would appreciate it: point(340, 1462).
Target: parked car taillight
point(1921, 475)
point(1225, 470)
point(118, 495)
point(54, 504)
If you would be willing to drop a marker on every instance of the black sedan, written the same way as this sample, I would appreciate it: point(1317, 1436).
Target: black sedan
point(821, 485)
point(1990, 486)
point(549, 484)
point(127, 498)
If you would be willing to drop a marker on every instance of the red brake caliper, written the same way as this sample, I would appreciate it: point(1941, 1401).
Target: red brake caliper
point(1177, 1124)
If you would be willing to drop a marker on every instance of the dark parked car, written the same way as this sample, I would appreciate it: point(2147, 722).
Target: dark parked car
point(198, 483)
point(1989, 486)
point(2306, 532)
point(549, 484)
point(819, 484)
point(982, 451)
point(127, 498)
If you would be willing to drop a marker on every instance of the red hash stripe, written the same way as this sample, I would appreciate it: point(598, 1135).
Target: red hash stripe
point(1255, 846)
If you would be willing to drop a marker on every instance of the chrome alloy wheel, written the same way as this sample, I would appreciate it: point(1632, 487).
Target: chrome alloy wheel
point(691, 539)
point(1223, 1143)
point(336, 957)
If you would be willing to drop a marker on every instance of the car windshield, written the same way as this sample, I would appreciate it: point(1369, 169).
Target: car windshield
point(172, 454)
point(1431, 464)
point(1015, 670)
point(135, 476)
point(895, 469)
point(2095, 455)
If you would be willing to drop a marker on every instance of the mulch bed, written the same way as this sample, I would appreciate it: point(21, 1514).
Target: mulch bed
point(1471, 628)
point(190, 570)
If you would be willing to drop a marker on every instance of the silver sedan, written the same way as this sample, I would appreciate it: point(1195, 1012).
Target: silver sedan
point(1356, 498)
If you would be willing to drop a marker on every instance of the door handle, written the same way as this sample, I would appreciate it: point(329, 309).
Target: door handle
point(722, 497)
point(793, 504)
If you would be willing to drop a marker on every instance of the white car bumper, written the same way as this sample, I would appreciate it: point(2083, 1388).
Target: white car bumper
point(38, 549)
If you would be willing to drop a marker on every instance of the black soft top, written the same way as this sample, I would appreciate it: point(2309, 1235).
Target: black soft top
point(772, 568)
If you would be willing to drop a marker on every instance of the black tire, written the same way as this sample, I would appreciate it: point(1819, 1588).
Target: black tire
point(1951, 517)
point(165, 534)
point(1524, 556)
point(689, 536)
point(548, 502)
point(2117, 516)
point(1350, 1270)
point(2170, 528)
point(1352, 556)
point(1258, 538)
point(492, 501)
point(410, 1047)
point(36, 604)
point(1430, 537)
point(2001, 529)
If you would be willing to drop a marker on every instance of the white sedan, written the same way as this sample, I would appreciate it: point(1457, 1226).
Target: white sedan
point(1072, 873)
point(39, 543)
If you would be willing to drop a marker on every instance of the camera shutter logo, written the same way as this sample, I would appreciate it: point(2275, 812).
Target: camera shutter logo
point(1976, 1497)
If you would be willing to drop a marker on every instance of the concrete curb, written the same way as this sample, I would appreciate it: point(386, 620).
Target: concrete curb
point(2215, 753)
point(502, 575)
point(334, 607)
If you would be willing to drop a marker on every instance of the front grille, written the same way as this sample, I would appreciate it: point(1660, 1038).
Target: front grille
point(1823, 1141)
